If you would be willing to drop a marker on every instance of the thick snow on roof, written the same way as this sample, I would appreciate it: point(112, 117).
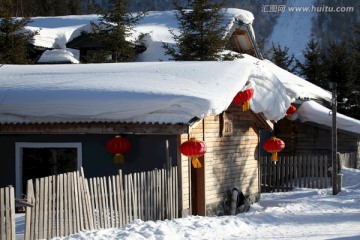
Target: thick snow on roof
point(164, 92)
point(55, 32)
point(296, 86)
point(157, 92)
point(57, 56)
point(311, 111)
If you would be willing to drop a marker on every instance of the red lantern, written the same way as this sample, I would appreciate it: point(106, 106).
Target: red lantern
point(193, 148)
point(291, 110)
point(243, 98)
point(118, 146)
point(274, 145)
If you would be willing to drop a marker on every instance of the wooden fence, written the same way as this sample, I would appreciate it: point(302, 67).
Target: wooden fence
point(68, 203)
point(147, 196)
point(290, 172)
point(7, 213)
point(350, 160)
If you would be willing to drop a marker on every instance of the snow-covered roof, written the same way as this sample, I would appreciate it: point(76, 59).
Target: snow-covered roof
point(164, 92)
point(55, 32)
point(57, 56)
point(149, 91)
point(311, 111)
point(152, 92)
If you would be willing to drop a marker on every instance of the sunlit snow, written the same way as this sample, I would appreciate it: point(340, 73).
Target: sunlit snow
point(176, 92)
point(150, 90)
point(300, 214)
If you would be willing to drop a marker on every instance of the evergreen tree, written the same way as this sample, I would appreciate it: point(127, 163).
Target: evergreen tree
point(74, 7)
point(14, 40)
point(353, 103)
point(202, 32)
point(312, 68)
point(113, 29)
point(338, 68)
point(60, 8)
point(43, 8)
point(280, 57)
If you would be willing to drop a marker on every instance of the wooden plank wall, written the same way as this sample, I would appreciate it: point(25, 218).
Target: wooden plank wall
point(305, 139)
point(185, 166)
point(230, 161)
point(7, 213)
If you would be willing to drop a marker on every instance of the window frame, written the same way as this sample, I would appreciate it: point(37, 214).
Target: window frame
point(19, 158)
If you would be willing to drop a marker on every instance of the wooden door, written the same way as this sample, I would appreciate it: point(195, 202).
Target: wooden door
point(198, 189)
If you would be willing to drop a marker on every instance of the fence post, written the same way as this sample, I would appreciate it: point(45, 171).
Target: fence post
point(67, 204)
point(299, 171)
point(29, 210)
point(7, 213)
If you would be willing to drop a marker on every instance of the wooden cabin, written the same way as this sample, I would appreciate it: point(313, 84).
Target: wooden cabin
point(62, 120)
point(88, 48)
point(313, 135)
point(231, 161)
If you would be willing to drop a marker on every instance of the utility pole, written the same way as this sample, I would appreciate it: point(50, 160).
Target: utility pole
point(334, 171)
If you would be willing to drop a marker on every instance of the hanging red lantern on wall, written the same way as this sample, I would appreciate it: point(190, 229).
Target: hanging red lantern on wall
point(243, 98)
point(118, 146)
point(291, 110)
point(193, 148)
point(273, 146)
point(291, 113)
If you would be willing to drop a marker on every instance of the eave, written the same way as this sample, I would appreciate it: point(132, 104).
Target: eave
point(93, 128)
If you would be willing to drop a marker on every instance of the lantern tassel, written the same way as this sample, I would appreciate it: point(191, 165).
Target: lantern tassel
point(196, 163)
point(274, 156)
point(246, 106)
point(119, 158)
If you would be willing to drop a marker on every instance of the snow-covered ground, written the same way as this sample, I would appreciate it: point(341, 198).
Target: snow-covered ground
point(300, 214)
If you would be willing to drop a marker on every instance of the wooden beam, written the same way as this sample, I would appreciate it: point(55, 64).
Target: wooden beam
point(93, 128)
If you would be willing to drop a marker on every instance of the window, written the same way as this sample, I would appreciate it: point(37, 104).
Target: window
point(36, 160)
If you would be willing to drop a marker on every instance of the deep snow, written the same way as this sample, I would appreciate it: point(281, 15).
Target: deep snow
point(274, 87)
point(300, 214)
point(155, 92)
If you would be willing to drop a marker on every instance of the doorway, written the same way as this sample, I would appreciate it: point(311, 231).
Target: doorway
point(198, 189)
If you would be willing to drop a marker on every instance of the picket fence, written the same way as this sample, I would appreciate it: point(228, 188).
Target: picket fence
point(294, 171)
point(69, 203)
point(350, 160)
point(7, 213)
